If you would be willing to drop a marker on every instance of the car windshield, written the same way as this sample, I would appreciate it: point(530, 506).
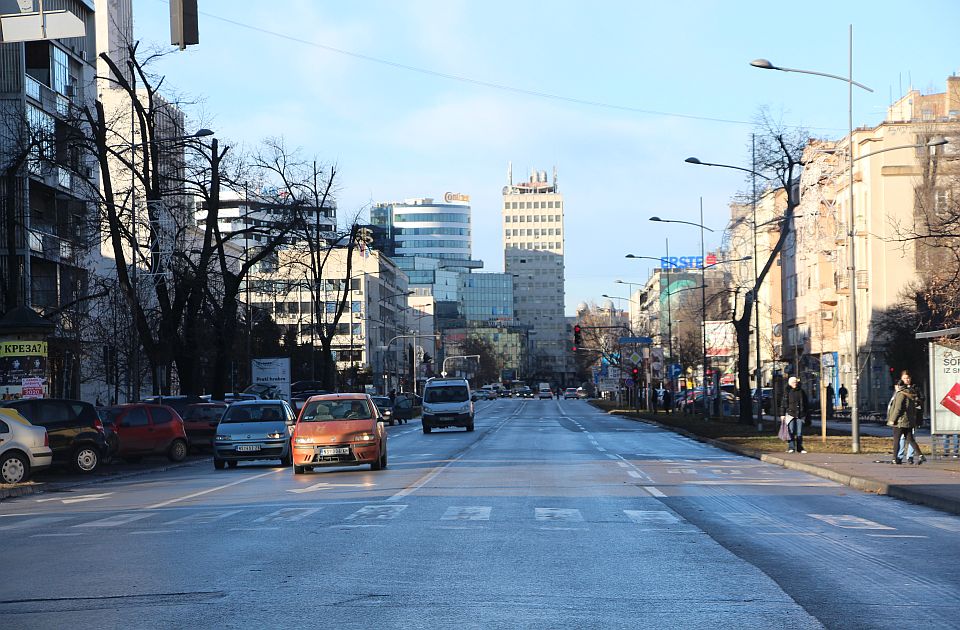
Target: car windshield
point(445, 394)
point(253, 413)
point(382, 402)
point(332, 410)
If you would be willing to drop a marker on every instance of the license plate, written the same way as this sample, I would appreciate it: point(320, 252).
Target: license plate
point(248, 447)
point(340, 450)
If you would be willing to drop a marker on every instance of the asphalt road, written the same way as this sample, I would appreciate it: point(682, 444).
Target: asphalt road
point(550, 515)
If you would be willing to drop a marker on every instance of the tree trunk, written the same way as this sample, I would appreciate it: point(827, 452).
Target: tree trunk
point(742, 328)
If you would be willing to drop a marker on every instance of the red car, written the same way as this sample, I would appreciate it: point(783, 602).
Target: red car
point(339, 430)
point(200, 421)
point(147, 430)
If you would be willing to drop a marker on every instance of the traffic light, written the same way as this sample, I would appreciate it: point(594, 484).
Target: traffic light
point(635, 371)
point(577, 337)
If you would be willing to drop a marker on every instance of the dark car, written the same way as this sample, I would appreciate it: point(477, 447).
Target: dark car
point(385, 406)
point(75, 430)
point(200, 422)
point(143, 429)
point(407, 406)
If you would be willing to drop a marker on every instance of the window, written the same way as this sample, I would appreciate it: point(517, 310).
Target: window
point(523, 219)
point(536, 218)
point(3, 427)
point(507, 219)
point(161, 415)
point(136, 417)
point(536, 205)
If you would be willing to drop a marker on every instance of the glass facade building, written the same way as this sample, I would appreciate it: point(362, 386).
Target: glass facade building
point(486, 297)
point(423, 228)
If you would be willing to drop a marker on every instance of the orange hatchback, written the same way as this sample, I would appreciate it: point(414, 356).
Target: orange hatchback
point(339, 430)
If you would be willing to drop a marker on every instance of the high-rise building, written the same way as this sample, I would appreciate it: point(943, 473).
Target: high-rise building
point(427, 229)
point(533, 256)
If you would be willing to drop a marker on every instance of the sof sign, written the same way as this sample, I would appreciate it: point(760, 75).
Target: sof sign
point(452, 197)
point(23, 369)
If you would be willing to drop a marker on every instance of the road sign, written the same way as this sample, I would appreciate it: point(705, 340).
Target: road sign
point(636, 359)
point(628, 382)
point(675, 370)
point(624, 340)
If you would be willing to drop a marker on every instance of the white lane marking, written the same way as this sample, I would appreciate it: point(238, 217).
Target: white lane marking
point(39, 521)
point(287, 515)
point(78, 499)
point(323, 485)
point(949, 523)
point(895, 536)
point(203, 492)
point(558, 514)
point(634, 474)
point(377, 513)
point(467, 513)
point(202, 518)
point(848, 521)
point(654, 492)
point(116, 519)
point(620, 464)
point(55, 535)
point(355, 526)
point(612, 456)
point(601, 449)
point(154, 531)
point(254, 529)
point(644, 517)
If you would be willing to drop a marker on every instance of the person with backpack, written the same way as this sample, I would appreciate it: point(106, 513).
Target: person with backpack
point(904, 415)
point(794, 408)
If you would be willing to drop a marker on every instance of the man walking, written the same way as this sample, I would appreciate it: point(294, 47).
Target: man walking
point(794, 409)
point(843, 396)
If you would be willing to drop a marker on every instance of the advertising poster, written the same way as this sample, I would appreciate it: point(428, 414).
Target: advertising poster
point(944, 389)
point(23, 362)
point(273, 373)
point(721, 339)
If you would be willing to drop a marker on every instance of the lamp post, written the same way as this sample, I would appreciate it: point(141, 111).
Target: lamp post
point(703, 293)
point(756, 273)
point(765, 64)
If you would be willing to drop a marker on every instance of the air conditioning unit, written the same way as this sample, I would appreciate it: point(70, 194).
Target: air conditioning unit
point(826, 314)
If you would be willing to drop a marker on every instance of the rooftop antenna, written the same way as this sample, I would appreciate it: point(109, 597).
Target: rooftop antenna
point(510, 173)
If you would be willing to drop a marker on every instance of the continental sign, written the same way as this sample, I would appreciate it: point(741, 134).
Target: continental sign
point(23, 348)
point(451, 197)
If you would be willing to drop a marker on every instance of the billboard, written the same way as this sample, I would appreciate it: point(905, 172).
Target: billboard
point(944, 389)
point(273, 373)
point(721, 339)
point(23, 364)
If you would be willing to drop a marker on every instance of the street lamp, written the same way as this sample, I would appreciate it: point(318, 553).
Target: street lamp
point(756, 272)
point(765, 64)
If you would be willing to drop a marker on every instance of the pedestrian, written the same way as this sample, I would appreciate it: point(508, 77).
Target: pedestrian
point(654, 401)
point(794, 409)
point(843, 396)
point(829, 401)
point(667, 400)
point(393, 396)
point(904, 416)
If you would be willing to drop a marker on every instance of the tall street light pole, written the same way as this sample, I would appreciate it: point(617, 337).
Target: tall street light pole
point(756, 272)
point(851, 234)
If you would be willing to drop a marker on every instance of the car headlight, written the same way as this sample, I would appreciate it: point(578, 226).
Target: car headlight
point(304, 440)
point(277, 434)
point(365, 437)
point(221, 438)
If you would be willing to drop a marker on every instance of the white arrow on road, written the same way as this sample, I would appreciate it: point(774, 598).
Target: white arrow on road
point(80, 499)
point(327, 486)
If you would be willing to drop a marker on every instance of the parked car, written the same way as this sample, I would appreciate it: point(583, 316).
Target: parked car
point(24, 448)
point(385, 407)
point(251, 430)
point(570, 392)
point(200, 421)
point(143, 429)
point(339, 430)
point(446, 403)
point(766, 396)
point(74, 429)
point(300, 387)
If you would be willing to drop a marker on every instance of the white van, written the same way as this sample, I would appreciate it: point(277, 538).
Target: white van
point(447, 403)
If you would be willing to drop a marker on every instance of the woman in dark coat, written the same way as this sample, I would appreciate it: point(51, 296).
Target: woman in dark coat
point(905, 416)
point(796, 406)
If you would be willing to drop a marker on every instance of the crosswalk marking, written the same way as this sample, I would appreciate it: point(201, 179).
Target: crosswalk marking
point(848, 521)
point(558, 514)
point(287, 515)
point(648, 517)
point(202, 518)
point(116, 519)
point(467, 513)
point(949, 523)
point(376, 513)
point(39, 521)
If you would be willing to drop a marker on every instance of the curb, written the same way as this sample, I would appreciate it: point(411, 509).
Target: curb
point(864, 484)
point(12, 492)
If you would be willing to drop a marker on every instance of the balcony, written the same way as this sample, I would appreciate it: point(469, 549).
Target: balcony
point(51, 247)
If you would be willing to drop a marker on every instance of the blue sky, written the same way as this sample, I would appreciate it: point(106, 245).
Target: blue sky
point(397, 133)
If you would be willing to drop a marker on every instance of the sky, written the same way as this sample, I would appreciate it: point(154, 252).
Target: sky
point(417, 98)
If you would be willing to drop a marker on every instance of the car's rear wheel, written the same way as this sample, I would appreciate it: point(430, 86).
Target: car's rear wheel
point(86, 459)
point(14, 468)
point(177, 451)
point(218, 463)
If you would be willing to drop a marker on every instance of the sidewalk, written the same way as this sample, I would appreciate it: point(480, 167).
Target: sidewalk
point(936, 483)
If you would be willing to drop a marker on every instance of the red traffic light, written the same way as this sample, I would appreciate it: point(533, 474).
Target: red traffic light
point(635, 371)
point(576, 328)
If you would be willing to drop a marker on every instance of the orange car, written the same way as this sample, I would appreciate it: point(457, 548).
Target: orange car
point(339, 430)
